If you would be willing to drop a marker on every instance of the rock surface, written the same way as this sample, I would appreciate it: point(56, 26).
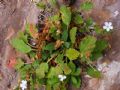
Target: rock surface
point(15, 13)
point(108, 10)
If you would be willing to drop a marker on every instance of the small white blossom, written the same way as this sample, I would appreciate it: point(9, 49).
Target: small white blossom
point(116, 13)
point(108, 26)
point(62, 77)
point(103, 67)
point(23, 84)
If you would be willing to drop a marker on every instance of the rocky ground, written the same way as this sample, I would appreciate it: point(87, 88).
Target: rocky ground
point(15, 13)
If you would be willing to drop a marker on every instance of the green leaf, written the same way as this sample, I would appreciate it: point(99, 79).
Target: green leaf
point(67, 44)
point(66, 14)
point(55, 18)
point(86, 6)
point(32, 54)
point(72, 66)
point(65, 35)
point(93, 72)
point(78, 19)
point(54, 71)
point(52, 30)
point(100, 46)
point(77, 72)
point(27, 27)
point(66, 69)
point(94, 56)
point(40, 81)
point(74, 80)
point(41, 70)
point(41, 5)
point(23, 73)
point(36, 63)
point(48, 87)
point(59, 58)
point(72, 54)
point(53, 2)
point(58, 70)
point(45, 56)
point(20, 45)
point(52, 81)
point(22, 36)
point(56, 86)
point(19, 64)
point(24, 70)
point(49, 47)
point(89, 22)
point(98, 30)
point(73, 32)
point(51, 73)
point(63, 87)
point(78, 85)
point(87, 45)
point(32, 83)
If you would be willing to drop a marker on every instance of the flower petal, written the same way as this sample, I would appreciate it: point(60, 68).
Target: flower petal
point(111, 27)
point(116, 13)
point(60, 76)
point(110, 23)
point(64, 77)
point(61, 79)
point(24, 82)
point(106, 23)
point(104, 27)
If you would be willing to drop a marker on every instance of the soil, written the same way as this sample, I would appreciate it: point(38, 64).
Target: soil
point(15, 13)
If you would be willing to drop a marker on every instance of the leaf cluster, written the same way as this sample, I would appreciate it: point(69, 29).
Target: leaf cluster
point(66, 45)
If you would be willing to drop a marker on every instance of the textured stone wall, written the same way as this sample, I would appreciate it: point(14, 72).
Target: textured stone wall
point(13, 15)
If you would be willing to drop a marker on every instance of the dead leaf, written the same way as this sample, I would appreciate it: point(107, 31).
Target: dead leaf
point(12, 62)
point(33, 31)
point(58, 44)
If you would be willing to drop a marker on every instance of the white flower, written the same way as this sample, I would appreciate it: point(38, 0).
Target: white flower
point(62, 77)
point(108, 26)
point(103, 67)
point(23, 84)
point(116, 13)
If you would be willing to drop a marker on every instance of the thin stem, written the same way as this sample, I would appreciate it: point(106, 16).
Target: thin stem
point(67, 27)
point(28, 63)
point(91, 67)
point(51, 58)
point(43, 15)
